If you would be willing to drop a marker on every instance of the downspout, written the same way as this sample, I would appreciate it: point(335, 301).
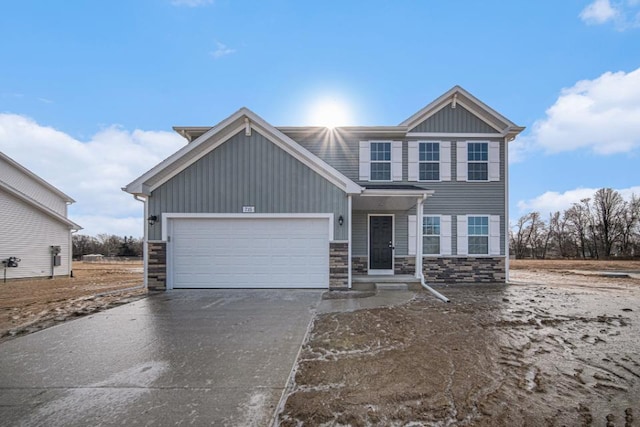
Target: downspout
point(419, 249)
point(145, 255)
point(506, 210)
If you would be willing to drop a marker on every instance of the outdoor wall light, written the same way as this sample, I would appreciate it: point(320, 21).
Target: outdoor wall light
point(340, 220)
point(152, 219)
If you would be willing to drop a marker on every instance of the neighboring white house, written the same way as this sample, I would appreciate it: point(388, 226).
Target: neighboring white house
point(33, 224)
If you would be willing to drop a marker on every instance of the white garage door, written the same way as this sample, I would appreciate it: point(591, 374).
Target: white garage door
point(249, 253)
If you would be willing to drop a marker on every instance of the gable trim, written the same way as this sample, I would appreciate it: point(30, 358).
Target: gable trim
point(42, 208)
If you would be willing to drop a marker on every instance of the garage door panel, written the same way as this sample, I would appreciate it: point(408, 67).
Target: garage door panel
point(250, 253)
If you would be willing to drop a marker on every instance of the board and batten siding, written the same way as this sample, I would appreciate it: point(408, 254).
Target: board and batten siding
point(32, 188)
point(27, 233)
point(455, 120)
point(248, 171)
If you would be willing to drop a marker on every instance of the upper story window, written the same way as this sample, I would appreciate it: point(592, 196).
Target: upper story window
point(429, 161)
point(431, 234)
point(380, 161)
point(478, 232)
point(478, 161)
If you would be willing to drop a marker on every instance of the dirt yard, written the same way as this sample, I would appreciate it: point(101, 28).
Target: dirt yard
point(30, 305)
point(556, 349)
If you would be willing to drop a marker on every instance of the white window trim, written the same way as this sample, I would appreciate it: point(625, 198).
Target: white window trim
point(488, 217)
point(432, 235)
point(493, 161)
point(439, 162)
point(478, 161)
point(390, 161)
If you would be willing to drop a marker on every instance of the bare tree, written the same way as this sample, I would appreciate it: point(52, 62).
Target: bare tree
point(630, 225)
point(608, 214)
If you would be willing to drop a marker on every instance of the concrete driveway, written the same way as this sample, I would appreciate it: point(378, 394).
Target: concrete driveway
point(191, 357)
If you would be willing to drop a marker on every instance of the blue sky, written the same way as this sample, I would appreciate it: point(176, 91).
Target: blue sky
point(89, 90)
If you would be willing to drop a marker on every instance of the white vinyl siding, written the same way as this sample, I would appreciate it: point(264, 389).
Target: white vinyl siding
point(480, 236)
point(478, 161)
point(429, 160)
point(444, 235)
point(380, 161)
point(32, 188)
point(28, 233)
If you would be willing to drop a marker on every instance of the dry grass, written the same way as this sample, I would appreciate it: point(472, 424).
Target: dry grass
point(30, 305)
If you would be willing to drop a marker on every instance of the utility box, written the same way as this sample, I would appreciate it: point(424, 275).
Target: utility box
point(57, 260)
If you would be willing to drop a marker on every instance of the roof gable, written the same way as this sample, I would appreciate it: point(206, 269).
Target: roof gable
point(242, 120)
point(454, 120)
point(37, 205)
point(32, 176)
point(471, 115)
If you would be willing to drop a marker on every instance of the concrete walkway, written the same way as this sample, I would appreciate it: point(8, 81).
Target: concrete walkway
point(190, 357)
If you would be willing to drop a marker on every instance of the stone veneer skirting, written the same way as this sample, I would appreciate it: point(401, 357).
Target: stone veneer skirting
point(338, 265)
point(359, 265)
point(157, 267)
point(464, 270)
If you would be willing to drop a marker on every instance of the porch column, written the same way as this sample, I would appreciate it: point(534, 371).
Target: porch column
point(349, 239)
point(419, 214)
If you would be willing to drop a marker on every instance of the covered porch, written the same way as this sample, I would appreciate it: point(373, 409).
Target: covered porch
point(385, 235)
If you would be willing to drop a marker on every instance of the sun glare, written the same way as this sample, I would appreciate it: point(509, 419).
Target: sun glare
point(329, 113)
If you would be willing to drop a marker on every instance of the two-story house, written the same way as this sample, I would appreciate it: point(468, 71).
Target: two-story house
point(35, 228)
point(245, 204)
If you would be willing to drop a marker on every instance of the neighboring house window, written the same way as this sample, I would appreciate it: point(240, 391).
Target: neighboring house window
point(478, 232)
point(431, 234)
point(478, 161)
point(429, 161)
point(381, 161)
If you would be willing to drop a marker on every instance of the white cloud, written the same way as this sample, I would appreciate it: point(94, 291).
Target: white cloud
point(602, 115)
point(191, 3)
point(623, 14)
point(552, 201)
point(598, 12)
point(222, 50)
point(91, 172)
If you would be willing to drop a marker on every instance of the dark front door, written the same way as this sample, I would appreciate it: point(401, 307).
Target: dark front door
point(381, 242)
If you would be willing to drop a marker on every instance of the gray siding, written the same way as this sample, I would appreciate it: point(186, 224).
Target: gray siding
point(337, 149)
point(458, 120)
point(248, 170)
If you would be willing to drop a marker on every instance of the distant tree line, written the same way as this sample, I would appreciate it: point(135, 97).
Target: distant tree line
point(602, 227)
point(107, 245)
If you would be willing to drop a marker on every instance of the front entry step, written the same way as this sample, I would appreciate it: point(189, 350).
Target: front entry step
point(392, 286)
point(398, 282)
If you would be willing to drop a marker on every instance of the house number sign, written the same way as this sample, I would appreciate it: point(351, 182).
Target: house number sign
point(248, 209)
